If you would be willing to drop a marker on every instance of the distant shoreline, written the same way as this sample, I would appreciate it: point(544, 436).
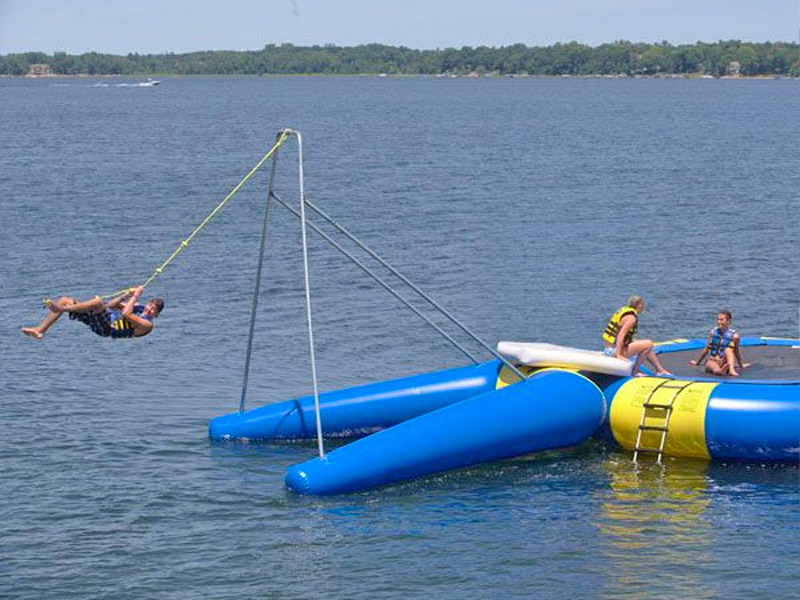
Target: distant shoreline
point(660, 76)
point(726, 58)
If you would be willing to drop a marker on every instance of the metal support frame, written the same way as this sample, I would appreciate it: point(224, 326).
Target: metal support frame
point(254, 307)
point(312, 354)
point(306, 283)
point(304, 225)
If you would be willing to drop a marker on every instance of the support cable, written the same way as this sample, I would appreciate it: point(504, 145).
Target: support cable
point(254, 307)
point(410, 284)
point(308, 286)
point(378, 279)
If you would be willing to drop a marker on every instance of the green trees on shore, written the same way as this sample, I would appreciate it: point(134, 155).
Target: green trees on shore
point(621, 57)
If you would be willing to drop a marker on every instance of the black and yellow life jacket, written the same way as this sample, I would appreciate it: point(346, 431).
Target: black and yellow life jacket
point(614, 325)
point(119, 326)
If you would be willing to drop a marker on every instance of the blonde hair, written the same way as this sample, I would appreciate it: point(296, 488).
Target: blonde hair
point(636, 301)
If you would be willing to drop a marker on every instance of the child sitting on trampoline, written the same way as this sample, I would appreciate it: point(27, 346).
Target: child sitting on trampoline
point(618, 337)
point(119, 318)
point(723, 348)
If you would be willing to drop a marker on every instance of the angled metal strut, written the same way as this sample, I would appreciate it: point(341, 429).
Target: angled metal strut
point(304, 224)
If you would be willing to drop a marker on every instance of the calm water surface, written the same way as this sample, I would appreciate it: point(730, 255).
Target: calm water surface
point(530, 208)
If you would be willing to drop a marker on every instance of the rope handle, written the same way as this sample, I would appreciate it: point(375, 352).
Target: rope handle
point(282, 137)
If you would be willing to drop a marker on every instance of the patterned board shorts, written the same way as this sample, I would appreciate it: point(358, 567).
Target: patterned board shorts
point(99, 322)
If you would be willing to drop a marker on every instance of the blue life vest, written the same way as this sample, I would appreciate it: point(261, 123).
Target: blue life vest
point(120, 327)
point(720, 341)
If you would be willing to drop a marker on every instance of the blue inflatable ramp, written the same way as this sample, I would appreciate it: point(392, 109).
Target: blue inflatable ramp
point(358, 410)
point(552, 409)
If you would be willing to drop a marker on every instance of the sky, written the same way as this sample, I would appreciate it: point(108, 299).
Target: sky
point(156, 26)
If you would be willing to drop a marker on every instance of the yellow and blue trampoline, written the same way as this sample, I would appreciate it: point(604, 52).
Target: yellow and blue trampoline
point(752, 417)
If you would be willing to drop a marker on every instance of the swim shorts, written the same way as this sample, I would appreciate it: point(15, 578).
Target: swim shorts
point(100, 322)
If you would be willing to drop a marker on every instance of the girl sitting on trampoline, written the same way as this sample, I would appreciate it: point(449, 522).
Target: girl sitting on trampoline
point(723, 348)
point(618, 337)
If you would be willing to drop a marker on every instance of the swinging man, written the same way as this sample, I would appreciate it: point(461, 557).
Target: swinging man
point(119, 318)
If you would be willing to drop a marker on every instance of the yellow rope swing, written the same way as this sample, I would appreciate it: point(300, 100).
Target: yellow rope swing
point(282, 137)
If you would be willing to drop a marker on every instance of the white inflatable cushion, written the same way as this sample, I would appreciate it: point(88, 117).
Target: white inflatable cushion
point(550, 355)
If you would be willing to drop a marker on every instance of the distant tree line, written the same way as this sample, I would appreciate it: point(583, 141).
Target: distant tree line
point(621, 57)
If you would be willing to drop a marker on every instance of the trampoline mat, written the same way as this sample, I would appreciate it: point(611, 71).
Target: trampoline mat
point(767, 362)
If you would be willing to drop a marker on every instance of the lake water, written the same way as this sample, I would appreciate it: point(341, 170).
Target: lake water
point(530, 208)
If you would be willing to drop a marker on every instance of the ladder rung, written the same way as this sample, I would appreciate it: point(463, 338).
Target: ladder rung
point(677, 388)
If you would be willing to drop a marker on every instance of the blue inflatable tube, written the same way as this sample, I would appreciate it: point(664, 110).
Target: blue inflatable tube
point(754, 422)
point(552, 409)
point(358, 410)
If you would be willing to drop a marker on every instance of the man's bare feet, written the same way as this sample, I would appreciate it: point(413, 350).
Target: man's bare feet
point(32, 332)
point(663, 372)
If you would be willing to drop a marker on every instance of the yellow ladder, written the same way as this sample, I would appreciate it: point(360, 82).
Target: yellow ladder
point(659, 411)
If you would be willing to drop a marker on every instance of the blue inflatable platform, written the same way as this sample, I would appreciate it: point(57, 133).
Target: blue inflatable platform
point(552, 409)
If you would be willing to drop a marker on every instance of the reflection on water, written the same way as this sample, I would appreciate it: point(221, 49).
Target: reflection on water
point(654, 533)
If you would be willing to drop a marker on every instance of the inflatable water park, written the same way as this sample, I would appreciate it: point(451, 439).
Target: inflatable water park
point(530, 397)
point(435, 422)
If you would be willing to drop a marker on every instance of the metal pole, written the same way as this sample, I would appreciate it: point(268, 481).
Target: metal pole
point(254, 307)
point(308, 287)
point(410, 284)
point(377, 278)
